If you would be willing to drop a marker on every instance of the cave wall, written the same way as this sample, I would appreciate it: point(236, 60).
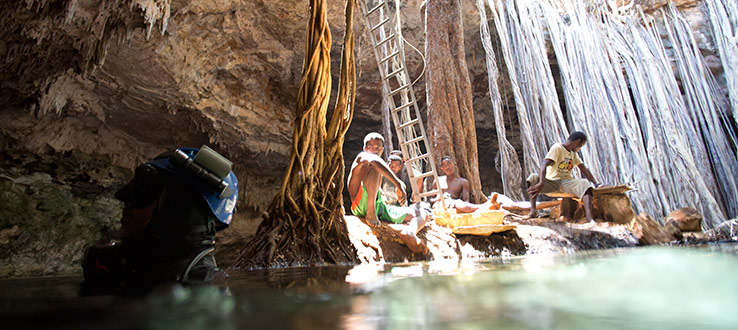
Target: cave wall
point(92, 88)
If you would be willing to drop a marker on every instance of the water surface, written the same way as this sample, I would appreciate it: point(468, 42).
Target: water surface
point(636, 288)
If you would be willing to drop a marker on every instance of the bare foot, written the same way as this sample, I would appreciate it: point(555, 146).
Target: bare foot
point(412, 241)
point(533, 214)
point(589, 224)
point(372, 220)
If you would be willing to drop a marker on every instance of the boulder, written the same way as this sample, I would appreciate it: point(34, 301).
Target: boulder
point(649, 232)
point(686, 219)
point(610, 207)
point(696, 237)
point(614, 207)
point(727, 230)
point(566, 209)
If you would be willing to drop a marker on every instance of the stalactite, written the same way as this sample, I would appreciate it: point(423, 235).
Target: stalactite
point(71, 9)
point(59, 35)
point(108, 18)
point(154, 12)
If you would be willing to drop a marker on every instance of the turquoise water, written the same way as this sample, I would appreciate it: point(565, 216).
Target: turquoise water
point(643, 288)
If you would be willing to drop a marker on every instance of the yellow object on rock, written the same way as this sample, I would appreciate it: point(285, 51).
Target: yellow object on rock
point(477, 223)
point(481, 230)
point(452, 219)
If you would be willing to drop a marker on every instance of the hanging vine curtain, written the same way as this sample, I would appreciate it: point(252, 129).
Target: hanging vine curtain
point(509, 164)
point(724, 19)
point(675, 146)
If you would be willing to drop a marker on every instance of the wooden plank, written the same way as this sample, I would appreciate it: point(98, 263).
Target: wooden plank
point(560, 195)
point(539, 206)
point(619, 189)
point(481, 230)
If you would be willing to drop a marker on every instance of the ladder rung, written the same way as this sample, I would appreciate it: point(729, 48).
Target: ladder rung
point(410, 123)
point(424, 175)
point(419, 138)
point(380, 24)
point(417, 158)
point(402, 107)
point(389, 56)
point(371, 11)
point(430, 193)
point(399, 89)
point(411, 130)
point(385, 40)
point(393, 73)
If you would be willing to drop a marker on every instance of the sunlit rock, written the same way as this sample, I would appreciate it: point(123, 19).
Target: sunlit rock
point(613, 208)
point(649, 232)
point(725, 231)
point(686, 219)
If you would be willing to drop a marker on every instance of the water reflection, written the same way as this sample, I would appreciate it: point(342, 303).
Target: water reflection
point(672, 288)
point(178, 307)
point(665, 288)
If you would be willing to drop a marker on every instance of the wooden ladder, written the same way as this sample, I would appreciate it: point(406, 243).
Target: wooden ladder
point(382, 21)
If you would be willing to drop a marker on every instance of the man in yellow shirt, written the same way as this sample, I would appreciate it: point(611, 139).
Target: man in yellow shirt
point(557, 165)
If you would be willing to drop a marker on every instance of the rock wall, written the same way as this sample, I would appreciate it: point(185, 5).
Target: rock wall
point(92, 88)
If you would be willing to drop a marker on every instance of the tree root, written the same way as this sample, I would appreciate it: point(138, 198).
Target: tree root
point(303, 222)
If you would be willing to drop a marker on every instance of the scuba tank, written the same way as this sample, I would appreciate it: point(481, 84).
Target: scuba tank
point(186, 196)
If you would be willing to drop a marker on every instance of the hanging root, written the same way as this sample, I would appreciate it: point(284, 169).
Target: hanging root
point(303, 222)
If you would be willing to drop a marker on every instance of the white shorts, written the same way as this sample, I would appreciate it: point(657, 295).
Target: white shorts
point(576, 187)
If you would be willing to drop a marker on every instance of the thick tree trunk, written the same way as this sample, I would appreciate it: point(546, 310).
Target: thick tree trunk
point(451, 129)
point(305, 225)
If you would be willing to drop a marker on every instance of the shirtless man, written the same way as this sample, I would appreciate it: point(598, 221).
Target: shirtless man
point(363, 187)
point(456, 192)
point(456, 186)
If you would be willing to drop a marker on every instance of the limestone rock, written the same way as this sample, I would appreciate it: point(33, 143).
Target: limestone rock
point(725, 231)
point(45, 226)
point(6, 235)
point(613, 208)
point(695, 237)
point(546, 236)
point(686, 219)
point(650, 232)
point(568, 208)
